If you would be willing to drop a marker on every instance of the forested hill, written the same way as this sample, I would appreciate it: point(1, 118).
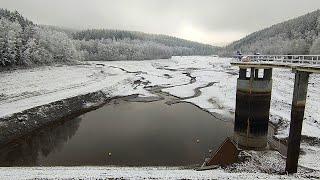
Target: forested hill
point(15, 17)
point(135, 35)
point(296, 36)
point(136, 45)
point(23, 43)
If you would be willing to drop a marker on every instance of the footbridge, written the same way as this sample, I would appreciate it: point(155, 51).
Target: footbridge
point(254, 87)
point(306, 63)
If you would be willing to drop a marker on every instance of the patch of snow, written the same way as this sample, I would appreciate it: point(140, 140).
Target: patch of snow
point(183, 91)
point(311, 157)
point(270, 162)
point(29, 88)
point(127, 173)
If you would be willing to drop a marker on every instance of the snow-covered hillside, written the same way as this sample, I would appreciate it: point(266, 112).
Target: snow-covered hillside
point(295, 36)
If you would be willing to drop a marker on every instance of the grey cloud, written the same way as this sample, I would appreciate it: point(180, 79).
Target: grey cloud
point(163, 16)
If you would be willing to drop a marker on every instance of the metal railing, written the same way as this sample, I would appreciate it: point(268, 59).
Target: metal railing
point(285, 59)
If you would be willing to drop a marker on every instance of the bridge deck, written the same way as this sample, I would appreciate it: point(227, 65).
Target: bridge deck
point(306, 63)
point(261, 65)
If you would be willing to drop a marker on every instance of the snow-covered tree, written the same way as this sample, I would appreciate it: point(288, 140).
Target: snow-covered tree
point(23, 43)
point(315, 48)
point(130, 45)
point(10, 42)
point(295, 36)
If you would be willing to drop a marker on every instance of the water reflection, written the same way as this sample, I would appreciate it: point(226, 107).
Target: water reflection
point(125, 134)
point(27, 151)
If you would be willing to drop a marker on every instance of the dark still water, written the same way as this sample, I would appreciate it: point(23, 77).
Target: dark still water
point(125, 134)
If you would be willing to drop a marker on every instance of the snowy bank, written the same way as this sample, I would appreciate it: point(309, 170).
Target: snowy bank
point(131, 173)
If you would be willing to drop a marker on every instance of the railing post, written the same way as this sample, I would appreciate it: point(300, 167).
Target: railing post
point(299, 59)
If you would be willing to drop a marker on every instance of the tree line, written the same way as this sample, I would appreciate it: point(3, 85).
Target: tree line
point(300, 35)
point(23, 43)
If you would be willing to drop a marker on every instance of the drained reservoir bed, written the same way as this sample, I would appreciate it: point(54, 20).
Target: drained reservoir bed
point(123, 134)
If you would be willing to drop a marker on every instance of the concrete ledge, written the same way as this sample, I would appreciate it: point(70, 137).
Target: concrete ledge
point(254, 142)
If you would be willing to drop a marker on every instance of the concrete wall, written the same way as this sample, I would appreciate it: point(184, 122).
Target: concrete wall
point(252, 109)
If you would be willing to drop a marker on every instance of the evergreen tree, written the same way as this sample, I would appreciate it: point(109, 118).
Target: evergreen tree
point(315, 48)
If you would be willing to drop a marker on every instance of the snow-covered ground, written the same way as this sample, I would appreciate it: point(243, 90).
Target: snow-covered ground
point(220, 97)
point(130, 173)
point(215, 79)
point(24, 89)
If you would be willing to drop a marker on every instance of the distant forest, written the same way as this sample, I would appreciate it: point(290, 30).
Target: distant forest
point(130, 45)
point(297, 36)
point(23, 43)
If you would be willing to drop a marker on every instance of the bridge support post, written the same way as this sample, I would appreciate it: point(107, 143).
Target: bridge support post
point(297, 114)
point(252, 108)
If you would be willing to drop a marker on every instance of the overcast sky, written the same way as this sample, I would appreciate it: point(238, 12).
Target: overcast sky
point(216, 22)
